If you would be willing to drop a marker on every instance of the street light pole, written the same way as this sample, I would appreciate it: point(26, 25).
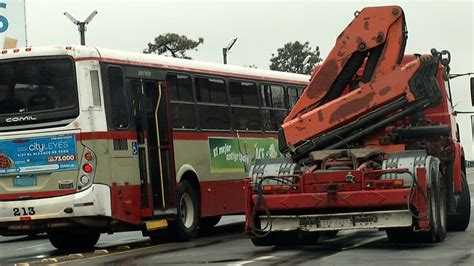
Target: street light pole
point(227, 48)
point(81, 26)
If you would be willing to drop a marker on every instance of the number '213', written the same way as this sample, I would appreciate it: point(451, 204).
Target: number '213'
point(24, 211)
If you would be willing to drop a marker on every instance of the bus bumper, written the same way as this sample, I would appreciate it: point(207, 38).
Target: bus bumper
point(27, 215)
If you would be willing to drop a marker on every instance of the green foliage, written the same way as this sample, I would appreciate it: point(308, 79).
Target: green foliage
point(173, 44)
point(290, 58)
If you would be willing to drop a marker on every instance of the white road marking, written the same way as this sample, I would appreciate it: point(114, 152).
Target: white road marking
point(35, 246)
point(250, 261)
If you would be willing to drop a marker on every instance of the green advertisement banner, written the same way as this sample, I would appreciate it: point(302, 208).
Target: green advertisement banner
point(238, 154)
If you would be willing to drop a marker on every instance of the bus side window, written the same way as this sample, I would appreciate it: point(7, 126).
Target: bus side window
point(273, 106)
point(118, 99)
point(294, 94)
point(245, 112)
point(180, 91)
point(212, 105)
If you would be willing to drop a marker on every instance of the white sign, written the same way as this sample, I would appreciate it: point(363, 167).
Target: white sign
point(12, 23)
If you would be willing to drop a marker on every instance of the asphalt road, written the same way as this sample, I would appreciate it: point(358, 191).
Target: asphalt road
point(227, 245)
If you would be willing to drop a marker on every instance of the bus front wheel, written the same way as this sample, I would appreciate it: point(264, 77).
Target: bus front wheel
point(186, 224)
point(64, 240)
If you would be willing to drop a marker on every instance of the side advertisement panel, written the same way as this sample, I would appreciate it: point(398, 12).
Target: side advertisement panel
point(238, 154)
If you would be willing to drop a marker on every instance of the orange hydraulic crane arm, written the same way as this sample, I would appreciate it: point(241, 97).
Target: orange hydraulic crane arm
point(377, 32)
point(377, 37)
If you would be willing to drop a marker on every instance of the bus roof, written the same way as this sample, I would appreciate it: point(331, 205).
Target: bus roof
point(152, 60)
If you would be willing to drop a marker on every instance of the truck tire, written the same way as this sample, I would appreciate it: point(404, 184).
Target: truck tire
point(436, 195)
point(187, 220)
point(459, 221)
point(73, 241)
point(442, 208)
point(437, 208)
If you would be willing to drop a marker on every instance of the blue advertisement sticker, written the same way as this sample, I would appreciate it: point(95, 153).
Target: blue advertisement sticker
point(36, 155)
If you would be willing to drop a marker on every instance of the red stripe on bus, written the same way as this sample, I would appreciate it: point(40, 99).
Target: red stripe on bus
point(107, 135)
point(181, 135)
point(36, 195)
point(178, 68)
point(28, 218)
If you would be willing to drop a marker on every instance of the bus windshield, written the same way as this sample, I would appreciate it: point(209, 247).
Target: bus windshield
point(37, 86)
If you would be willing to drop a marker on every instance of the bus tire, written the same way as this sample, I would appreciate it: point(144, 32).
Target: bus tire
point(459, 221)
point(64, 240)
point(187, 220)
point(207, 223)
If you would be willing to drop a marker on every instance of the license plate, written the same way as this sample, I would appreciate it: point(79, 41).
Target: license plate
point(336, 222)
point(25, 181)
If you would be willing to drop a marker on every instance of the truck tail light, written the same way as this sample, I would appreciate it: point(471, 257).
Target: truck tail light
point(398, 183)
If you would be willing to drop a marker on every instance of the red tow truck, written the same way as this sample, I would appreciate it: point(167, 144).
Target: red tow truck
point(371, 143)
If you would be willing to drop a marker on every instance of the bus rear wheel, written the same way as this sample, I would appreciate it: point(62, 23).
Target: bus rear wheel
point(65, 240)
point(187, 221)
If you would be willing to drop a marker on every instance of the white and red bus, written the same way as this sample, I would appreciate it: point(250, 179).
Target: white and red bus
point(96, 140)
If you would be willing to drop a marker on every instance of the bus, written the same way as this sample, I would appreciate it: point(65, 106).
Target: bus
point(98, 141)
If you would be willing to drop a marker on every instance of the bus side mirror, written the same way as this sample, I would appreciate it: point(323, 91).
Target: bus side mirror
point(472, 91)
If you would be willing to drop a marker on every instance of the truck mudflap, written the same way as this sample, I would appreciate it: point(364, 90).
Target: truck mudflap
point(338, 221)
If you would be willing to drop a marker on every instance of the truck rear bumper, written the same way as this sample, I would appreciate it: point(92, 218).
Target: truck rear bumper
point(338, 221)
point(342, 199)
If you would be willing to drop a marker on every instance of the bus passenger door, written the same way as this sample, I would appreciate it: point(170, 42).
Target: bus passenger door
point(154, 144)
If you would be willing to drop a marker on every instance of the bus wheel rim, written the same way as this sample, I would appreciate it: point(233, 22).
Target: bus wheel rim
point(187, 210)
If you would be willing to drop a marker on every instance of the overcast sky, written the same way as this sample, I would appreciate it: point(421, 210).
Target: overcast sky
point(260, 26)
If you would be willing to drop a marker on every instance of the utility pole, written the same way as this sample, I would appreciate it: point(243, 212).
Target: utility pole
point(227, 48)
point(81, 26)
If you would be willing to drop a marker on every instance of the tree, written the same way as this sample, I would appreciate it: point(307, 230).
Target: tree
point(174, 44)
point(290, 58)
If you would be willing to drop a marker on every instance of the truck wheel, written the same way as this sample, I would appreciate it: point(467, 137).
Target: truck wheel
point(186, 224)
point(436, 195)
point(70, 241)
point(459, 221)
point(208, 223)
point(437, 208)
point(442, 208)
